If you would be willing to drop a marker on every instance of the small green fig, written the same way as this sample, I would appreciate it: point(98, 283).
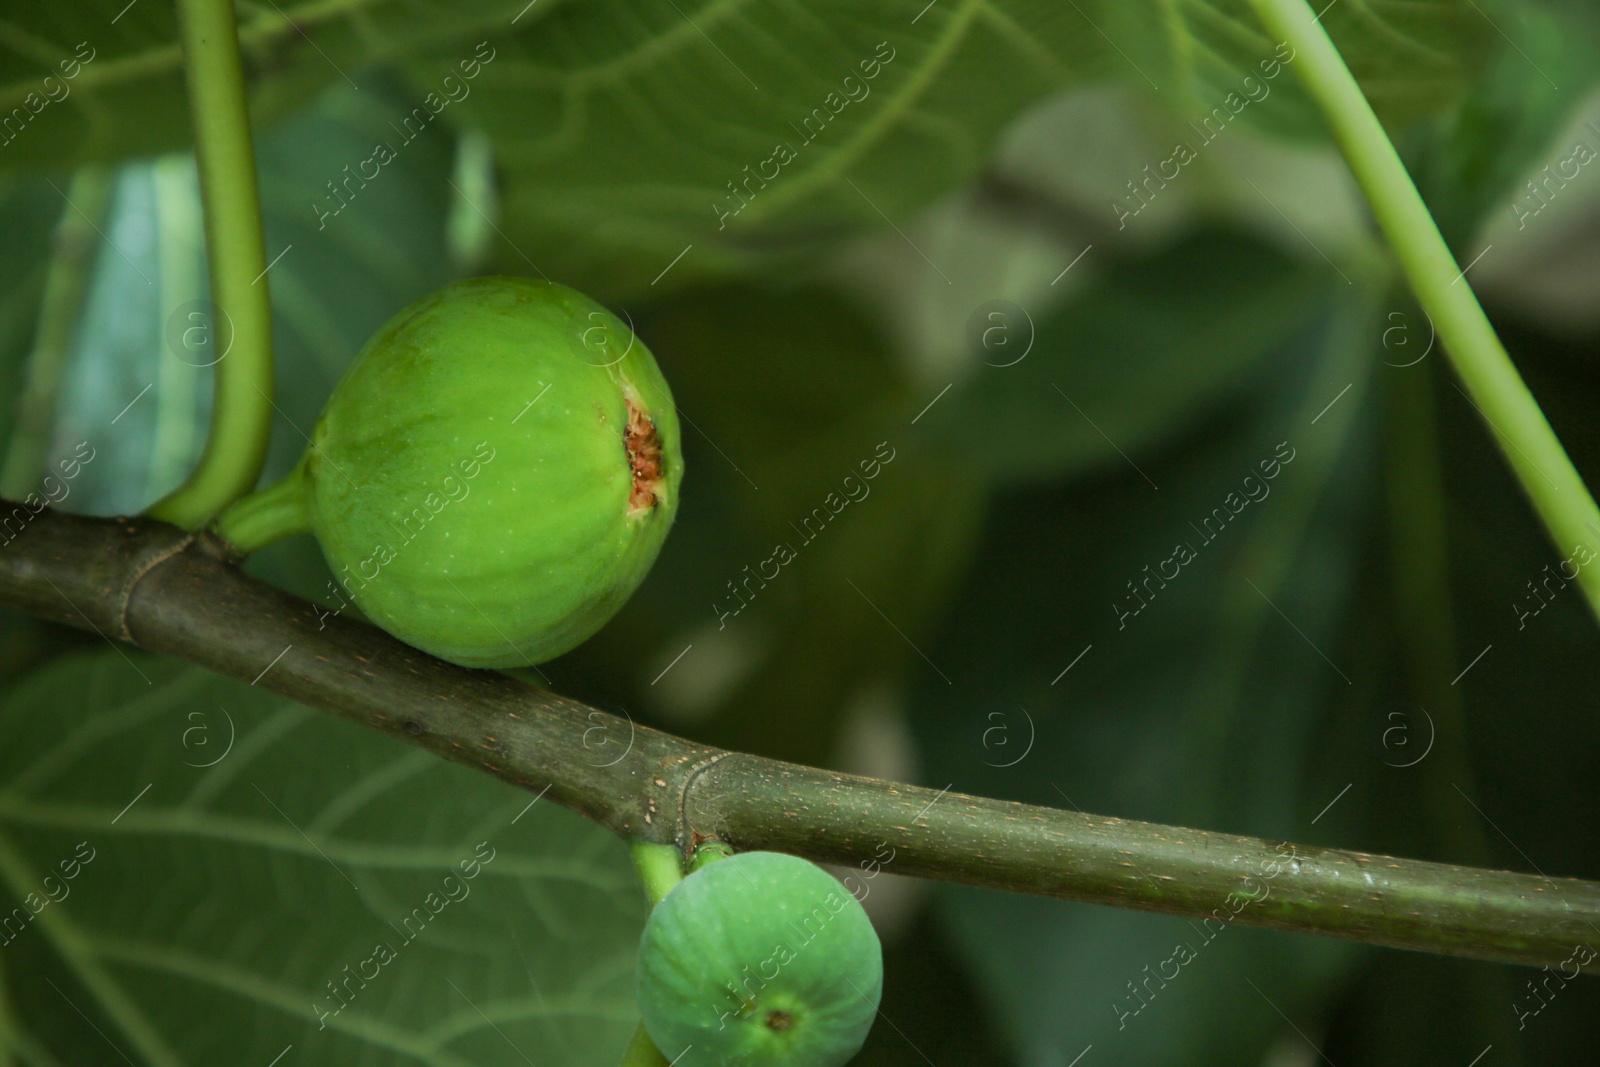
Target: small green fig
point(759, 960)
point(492, 478)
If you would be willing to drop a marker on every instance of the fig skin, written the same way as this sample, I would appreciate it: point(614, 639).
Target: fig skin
point(496, 473)
point(759, 960)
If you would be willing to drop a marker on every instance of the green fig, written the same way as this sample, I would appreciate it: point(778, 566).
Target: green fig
point(759, 960)
point(492, 478)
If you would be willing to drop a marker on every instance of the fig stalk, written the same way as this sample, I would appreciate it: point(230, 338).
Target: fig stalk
point(642, 1052)
point(267, 515)
point(659, 869)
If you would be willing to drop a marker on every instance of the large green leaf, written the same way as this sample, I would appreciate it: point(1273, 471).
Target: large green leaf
point(218, 856)
point(630, 131)
point(1194, 700)
point(1128, 364)
point(82, 81)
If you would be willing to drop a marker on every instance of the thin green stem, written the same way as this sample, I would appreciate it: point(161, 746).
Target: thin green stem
point(1493, 385)
point(660, 868)
point(241, 411)
point(708, 852)
point(267, 515)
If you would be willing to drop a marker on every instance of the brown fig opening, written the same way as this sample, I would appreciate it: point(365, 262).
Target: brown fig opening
point(779, 1021)
point(643, 446)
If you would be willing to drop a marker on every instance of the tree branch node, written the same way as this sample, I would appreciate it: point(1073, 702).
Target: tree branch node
point(686, 833)
point(140, 566)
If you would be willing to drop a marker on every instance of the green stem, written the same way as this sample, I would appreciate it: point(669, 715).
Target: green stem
point(267, 515)
point(1492, 382)
point(709, 852)
point(241, 411)
point(642, 1052)
point(64, 289)
point(660, 868)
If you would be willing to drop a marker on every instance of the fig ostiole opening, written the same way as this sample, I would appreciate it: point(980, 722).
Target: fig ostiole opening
point(759, 959)
point(642, 444)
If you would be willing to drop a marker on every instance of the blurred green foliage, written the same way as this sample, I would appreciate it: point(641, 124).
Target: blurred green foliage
point(937, 287)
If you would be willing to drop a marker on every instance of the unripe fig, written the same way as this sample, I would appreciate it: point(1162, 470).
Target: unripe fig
point(492, 478)
point(759, 960)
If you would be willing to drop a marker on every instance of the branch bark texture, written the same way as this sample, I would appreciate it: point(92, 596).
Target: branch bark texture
point(155, 586)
